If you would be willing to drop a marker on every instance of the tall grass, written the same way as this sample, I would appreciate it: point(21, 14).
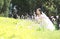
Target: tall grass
point(24, 29)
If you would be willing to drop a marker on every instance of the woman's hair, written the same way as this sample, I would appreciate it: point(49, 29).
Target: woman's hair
point(39, 10)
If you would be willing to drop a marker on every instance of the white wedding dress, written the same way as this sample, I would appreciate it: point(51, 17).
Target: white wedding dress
point(44, 21)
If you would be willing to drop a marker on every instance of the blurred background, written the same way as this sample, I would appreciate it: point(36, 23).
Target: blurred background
point(17, 19)
point(22, 7)
point(25, 8)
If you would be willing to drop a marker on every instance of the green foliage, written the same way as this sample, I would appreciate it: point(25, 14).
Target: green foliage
point(4, 7)
point(1, 4)
point(51, 7)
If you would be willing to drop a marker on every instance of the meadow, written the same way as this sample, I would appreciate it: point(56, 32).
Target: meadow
point(24, 29)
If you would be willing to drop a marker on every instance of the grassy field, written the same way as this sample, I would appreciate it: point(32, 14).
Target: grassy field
point(24, 29)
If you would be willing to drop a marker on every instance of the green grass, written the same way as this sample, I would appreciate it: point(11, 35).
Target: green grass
point(24, 29)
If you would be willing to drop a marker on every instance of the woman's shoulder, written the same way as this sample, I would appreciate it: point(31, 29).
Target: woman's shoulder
point(42, 15)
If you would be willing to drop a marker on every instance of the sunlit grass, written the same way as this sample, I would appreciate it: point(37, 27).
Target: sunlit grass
point(24, 29)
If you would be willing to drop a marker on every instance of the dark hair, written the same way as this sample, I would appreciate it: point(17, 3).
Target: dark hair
point(39, 10)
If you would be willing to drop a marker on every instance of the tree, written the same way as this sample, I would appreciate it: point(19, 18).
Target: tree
point(51, 7)
point(1, 4)
point(5, 7)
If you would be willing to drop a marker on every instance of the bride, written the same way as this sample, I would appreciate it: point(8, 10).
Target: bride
point(43, 20)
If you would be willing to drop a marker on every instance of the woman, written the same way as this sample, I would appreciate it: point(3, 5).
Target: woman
point(43, 20)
